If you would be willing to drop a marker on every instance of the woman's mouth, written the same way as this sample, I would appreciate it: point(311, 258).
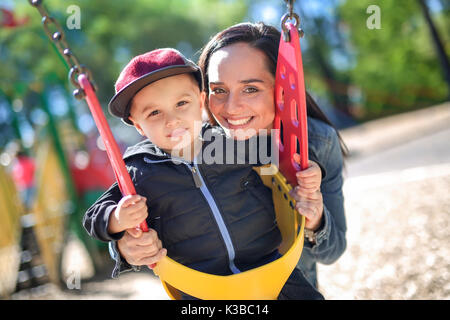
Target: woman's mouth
point(238, 123)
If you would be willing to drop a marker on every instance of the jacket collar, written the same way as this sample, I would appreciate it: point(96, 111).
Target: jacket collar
point(146, 147)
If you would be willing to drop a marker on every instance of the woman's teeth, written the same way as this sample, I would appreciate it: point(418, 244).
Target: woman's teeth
point(239, 122)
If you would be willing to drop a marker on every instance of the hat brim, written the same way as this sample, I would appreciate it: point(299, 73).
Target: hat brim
point(119, 105)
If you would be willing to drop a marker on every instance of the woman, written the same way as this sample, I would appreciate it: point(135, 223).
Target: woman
point(243, 102)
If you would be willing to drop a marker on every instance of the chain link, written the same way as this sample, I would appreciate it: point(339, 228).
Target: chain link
point(290, 5)
point(56, 34)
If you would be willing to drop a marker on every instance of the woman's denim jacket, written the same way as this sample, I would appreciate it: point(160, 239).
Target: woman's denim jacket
point(324, 148)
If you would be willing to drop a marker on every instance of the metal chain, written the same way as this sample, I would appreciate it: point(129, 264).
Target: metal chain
point(59, 39)
point(290, 5)
point(290, 15)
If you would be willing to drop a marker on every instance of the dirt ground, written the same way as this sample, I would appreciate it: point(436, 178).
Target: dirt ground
point(398, 238)
point(398, 246)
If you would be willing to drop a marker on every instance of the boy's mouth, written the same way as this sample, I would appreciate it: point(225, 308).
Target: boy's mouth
point(177, 133)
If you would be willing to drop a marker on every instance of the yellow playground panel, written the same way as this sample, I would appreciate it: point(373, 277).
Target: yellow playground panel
point(264, 282)
point(50, 208)
point(10, 212)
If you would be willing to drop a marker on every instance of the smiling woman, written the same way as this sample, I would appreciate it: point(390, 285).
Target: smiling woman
point(241, 100)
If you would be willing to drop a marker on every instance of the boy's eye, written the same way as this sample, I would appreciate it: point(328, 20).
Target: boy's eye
point(181, 103)
point(154, 113)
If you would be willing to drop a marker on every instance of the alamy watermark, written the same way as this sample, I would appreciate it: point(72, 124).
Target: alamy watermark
point(260, 148)
point(374, 20)
point(74, 19)
point(73, 281)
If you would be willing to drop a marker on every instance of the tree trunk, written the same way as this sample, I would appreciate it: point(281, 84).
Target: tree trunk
point(440, 50)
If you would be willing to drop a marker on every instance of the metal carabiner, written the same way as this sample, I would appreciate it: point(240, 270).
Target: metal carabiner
point(290, 15)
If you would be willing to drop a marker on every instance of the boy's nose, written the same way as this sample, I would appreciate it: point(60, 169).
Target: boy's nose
point(172, 120)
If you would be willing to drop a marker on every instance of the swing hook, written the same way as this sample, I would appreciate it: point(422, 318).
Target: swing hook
point(290, 15)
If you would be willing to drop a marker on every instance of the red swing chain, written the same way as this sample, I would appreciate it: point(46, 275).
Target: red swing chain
point(123, 178)
point(81, 78)
point(290, 100)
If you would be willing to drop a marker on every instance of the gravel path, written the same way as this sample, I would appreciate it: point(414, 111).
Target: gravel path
point(398, 237)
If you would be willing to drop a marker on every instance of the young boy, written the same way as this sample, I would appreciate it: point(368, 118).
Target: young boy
point(216, 218)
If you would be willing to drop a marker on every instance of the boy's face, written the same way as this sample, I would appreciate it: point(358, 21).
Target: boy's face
point(169, 112)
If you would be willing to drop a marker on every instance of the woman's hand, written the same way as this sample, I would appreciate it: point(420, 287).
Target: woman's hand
point(307, 194)
point(141, 248)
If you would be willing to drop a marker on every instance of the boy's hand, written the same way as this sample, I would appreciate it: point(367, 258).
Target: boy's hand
point(307, 194)
point(141, 248)
point(130, 212)
point(308, 180)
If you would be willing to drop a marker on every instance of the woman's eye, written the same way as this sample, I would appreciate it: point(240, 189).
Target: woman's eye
point(250, 90)
point(217, 90)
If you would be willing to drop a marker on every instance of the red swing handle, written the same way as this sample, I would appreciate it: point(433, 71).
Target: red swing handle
point(290, 101)
point(123, 178)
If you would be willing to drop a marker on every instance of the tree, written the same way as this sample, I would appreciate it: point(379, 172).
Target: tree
point(110, 33)
point(440, 50)
point(396, 68)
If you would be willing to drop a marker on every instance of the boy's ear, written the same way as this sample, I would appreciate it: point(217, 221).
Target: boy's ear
point(202, 99)
point(137, 126)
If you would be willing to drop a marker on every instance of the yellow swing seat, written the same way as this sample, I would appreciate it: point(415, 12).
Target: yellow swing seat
point(262, 283)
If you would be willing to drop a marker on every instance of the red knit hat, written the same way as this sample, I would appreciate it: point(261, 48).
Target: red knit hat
point(144, 69)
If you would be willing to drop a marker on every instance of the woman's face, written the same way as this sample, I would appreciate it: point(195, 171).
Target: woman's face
point(241, 90)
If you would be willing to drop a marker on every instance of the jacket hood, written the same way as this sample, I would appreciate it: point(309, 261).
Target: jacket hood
point(148, 148)
point(144, 147)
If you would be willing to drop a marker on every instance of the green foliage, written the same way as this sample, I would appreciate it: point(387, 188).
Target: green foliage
point(396, 67)
point(386, 71)
point(111, 33)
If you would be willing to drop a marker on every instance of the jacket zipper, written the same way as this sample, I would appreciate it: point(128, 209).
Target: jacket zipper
point(200, 183)
point(219, 219)
point(196, 176)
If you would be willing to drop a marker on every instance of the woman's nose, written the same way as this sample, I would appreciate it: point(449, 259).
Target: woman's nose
point(233, 104)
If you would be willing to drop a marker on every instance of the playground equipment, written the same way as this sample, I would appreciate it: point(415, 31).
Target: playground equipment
point(50, 209)
point(10, 212)
point(266, 281)
point(33, 236)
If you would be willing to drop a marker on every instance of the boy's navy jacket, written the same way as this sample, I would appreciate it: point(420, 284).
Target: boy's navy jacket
point(216, 218)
